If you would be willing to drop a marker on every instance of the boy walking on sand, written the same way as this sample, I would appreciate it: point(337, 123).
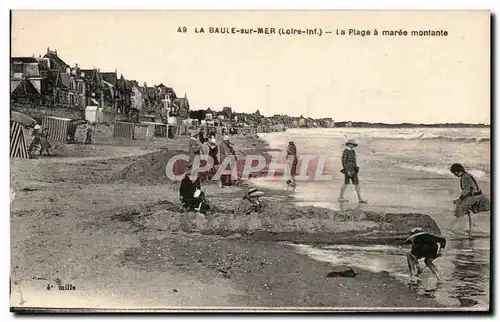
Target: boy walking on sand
point(293, 161)
point(427, 246)
point(350, 170)
point(471, 200)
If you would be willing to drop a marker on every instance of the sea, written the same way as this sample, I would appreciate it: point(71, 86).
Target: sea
point(401, 171)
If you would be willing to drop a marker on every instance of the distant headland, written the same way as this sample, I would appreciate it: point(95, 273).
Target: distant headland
point(409, 125)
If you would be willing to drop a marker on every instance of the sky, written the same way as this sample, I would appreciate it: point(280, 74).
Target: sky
point(388, 79)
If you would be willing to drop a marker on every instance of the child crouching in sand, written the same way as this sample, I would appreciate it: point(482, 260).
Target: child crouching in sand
point(427, 246)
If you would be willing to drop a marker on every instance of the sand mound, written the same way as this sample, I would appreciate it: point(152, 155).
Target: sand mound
point(150, 168)
point(290, 223)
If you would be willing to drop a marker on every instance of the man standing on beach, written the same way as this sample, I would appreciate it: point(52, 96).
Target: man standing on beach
point(292, 160)
point(350, 170)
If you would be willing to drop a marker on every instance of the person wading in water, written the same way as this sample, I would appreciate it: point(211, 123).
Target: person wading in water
point(350, 170)
point(471, 200)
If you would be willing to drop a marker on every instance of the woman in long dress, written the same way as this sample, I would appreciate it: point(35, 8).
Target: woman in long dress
point(213, 153)
point(227, 151)
point(35, 145)
point(44, 140)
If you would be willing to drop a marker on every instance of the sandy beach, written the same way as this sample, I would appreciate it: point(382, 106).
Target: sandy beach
point(91, 216)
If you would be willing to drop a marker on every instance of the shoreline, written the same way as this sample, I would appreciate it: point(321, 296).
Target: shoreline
point(110, 233)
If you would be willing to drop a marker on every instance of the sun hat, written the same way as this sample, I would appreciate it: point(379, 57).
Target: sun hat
point(225, 138)
point(416, 230)
point(213, 141)
point(37, 127)
point(351, 142)
point(254, 192)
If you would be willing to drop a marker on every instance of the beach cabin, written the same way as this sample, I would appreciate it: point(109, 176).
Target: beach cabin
point(124, 130)
point(58, 128)
point(92, 114)
point(18, 148)
point(155, 129)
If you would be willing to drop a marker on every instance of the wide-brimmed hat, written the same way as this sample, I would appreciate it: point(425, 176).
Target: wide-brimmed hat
point(212, 141)
point(37, 127)
point(253, 193)
point(351, 142)
point(416, 230)
point(225, 138)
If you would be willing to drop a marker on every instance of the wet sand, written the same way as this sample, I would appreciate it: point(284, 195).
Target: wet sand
point(64, 228)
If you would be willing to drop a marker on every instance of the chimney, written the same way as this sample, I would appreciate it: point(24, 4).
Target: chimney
point(56, 52)
point(48, 49)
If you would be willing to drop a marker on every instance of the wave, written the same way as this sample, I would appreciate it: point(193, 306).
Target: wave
point(468, 139)
point(434, 137)
point(477, 173)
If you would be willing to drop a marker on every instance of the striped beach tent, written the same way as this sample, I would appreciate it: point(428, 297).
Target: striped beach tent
point(161, 130)
point(18, 147)
point(156, 129)
point(58, 128)
point(124, 130)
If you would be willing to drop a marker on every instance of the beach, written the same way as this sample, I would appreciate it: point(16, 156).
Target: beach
point(403, 171)
point(95, 217)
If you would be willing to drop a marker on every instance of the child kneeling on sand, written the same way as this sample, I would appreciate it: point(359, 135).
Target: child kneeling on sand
point(250, 202)
point(191, 196)
point(472, 199)
point(427, 246)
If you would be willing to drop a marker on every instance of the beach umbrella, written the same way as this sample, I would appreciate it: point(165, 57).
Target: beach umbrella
point(21, 118)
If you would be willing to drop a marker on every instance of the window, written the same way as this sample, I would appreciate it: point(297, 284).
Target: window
point(17, 67)
point(71, 99)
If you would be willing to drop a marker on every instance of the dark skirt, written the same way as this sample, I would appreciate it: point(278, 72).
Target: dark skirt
point(293, 165)
point(428, 251)
point(226, 180)
point(45, 143)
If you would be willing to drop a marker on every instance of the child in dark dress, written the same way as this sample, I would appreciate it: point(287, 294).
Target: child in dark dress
point(427, 246)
